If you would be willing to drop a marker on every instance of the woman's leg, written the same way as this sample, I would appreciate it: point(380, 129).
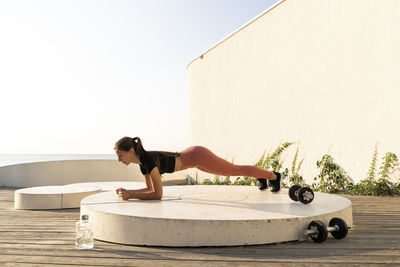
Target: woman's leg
point(205, 160)
point(204, 169)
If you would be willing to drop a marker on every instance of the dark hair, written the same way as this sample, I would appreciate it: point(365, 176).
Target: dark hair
point(126, 143)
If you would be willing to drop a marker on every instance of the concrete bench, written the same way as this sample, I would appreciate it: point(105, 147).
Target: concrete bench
point(52, 197)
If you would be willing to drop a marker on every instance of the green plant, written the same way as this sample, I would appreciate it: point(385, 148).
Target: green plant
point(294, 175)
point(244, 181)
point(384, 186)
point(372, 168)
point(390, 163)
point(217, 181)
point(365, 186)
point(331, 178)
point(275, 158)
point(207, 182)
point(271, 161)
point(381, 186)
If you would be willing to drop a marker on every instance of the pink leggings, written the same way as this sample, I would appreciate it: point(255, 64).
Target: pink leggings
point(203, 159)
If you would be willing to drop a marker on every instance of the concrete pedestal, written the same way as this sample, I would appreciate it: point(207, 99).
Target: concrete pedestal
point(52, 197)
point(112, 186)
point(207, 215)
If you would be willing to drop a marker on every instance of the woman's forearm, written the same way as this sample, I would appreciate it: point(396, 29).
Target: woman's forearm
point(139, 190)
point(148, 195)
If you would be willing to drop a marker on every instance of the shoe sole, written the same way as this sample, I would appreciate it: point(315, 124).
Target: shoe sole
point(266, 185)
point(280, 186)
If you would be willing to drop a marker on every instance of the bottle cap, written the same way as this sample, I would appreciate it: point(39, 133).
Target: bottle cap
point(85, 217)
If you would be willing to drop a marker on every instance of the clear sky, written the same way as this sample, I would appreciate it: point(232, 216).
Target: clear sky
point(77, 75)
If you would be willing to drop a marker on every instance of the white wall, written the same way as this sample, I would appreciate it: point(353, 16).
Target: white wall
point(75, 171)
point(321, 72)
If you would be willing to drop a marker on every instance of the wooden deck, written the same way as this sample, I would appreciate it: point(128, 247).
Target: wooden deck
point(38, 238)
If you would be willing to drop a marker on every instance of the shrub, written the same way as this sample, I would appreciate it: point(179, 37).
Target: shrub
point(331, 178)
point(272, 161)
point(381, 186)
point(294, 175)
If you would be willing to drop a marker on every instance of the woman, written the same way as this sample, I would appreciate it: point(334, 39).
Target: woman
point(154, 163)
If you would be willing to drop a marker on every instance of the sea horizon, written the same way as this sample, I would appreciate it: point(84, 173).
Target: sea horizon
point(12, 159)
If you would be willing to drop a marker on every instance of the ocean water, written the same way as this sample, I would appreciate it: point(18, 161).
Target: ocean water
point(11, 159)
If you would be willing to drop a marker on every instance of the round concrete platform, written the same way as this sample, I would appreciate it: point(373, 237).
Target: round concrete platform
point(206, 215)
point(112, 186)
point(52, 197)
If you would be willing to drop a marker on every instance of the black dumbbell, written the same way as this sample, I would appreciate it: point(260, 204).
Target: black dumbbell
point(303, 194)
point(319, 232)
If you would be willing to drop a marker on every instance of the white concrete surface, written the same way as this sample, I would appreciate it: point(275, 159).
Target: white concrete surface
point(52, 197)
point(209, 216)
point(112, 186)
point(65, 172)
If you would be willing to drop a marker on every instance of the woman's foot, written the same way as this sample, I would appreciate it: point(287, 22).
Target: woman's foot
point(275, 184)
point(262, 183)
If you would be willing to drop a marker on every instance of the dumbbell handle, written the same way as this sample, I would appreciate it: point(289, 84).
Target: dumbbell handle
point(330, 229)
point(306, 196)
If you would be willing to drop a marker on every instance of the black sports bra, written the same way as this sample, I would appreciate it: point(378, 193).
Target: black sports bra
point(148, 161)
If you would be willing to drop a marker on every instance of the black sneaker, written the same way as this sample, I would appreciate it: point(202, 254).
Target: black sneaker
point(262, 183)
point(275, 184)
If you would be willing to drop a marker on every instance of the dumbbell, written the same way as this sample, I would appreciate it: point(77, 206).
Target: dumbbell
point(319, 232)
point(303, 194)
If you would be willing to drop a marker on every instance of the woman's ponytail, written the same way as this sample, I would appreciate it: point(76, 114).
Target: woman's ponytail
point(126, 143)
point(137, 145)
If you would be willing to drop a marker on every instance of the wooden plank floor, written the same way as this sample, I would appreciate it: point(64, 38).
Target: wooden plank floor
point(37, 238)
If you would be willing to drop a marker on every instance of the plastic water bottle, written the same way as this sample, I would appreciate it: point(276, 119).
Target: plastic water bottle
point(84, 233)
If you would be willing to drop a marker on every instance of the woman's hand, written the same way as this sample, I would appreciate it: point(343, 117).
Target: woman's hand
point(119, 190)
point(124, 194)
